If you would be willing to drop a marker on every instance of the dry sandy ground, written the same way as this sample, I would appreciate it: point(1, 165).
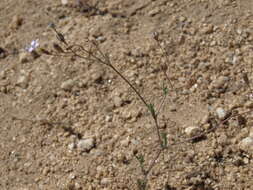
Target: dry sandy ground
point(71, 124)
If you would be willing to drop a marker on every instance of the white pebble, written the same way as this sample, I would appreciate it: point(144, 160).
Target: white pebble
point(105, 181)
point(247, 144)
point(125, 142)
point(68, 84)
point(251, 132)
point(117, 101)
point(64, 2)
point(220, 82)
point(108, 118)
point(86, 144)
point(192, 131)
point(71, 146)
point(221, 113)
point(22, 81)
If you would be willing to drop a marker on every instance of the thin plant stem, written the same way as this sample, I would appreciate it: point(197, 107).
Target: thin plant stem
point(162, 103)
point(153, 162)
point(166, 66)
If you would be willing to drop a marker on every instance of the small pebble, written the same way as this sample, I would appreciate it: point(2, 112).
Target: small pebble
point(68, 84)
point(117, 101)
point(220, 82)
point(46, 170)
point(126, 114)
point(247, 144)
point(71, 146)
point(192, 131)
point(251, 132)
point(136, 52)
point(182, 19)
point(173, 108)
point(105, 181)
point(72, 176)
point(154, 11)
point(108, 118)
point(125, 142)
point(77, 186)
point(24, 57)
point(221, 113)
point(64, 2)
point(86, 144)
point(22, 81)
point(101, 39)
point(208, 29)
point(213, 43)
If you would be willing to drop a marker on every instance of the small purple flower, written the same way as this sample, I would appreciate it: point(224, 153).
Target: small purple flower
point(34, 44)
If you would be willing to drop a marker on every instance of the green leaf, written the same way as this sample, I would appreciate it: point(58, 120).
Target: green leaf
point(165, 140)
point(165, 90)
point(152, 109)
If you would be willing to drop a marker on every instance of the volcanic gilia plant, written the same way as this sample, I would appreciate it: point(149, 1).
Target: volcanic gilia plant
point(94, 54)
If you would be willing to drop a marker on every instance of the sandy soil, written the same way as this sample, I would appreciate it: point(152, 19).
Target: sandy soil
point(73, 124)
